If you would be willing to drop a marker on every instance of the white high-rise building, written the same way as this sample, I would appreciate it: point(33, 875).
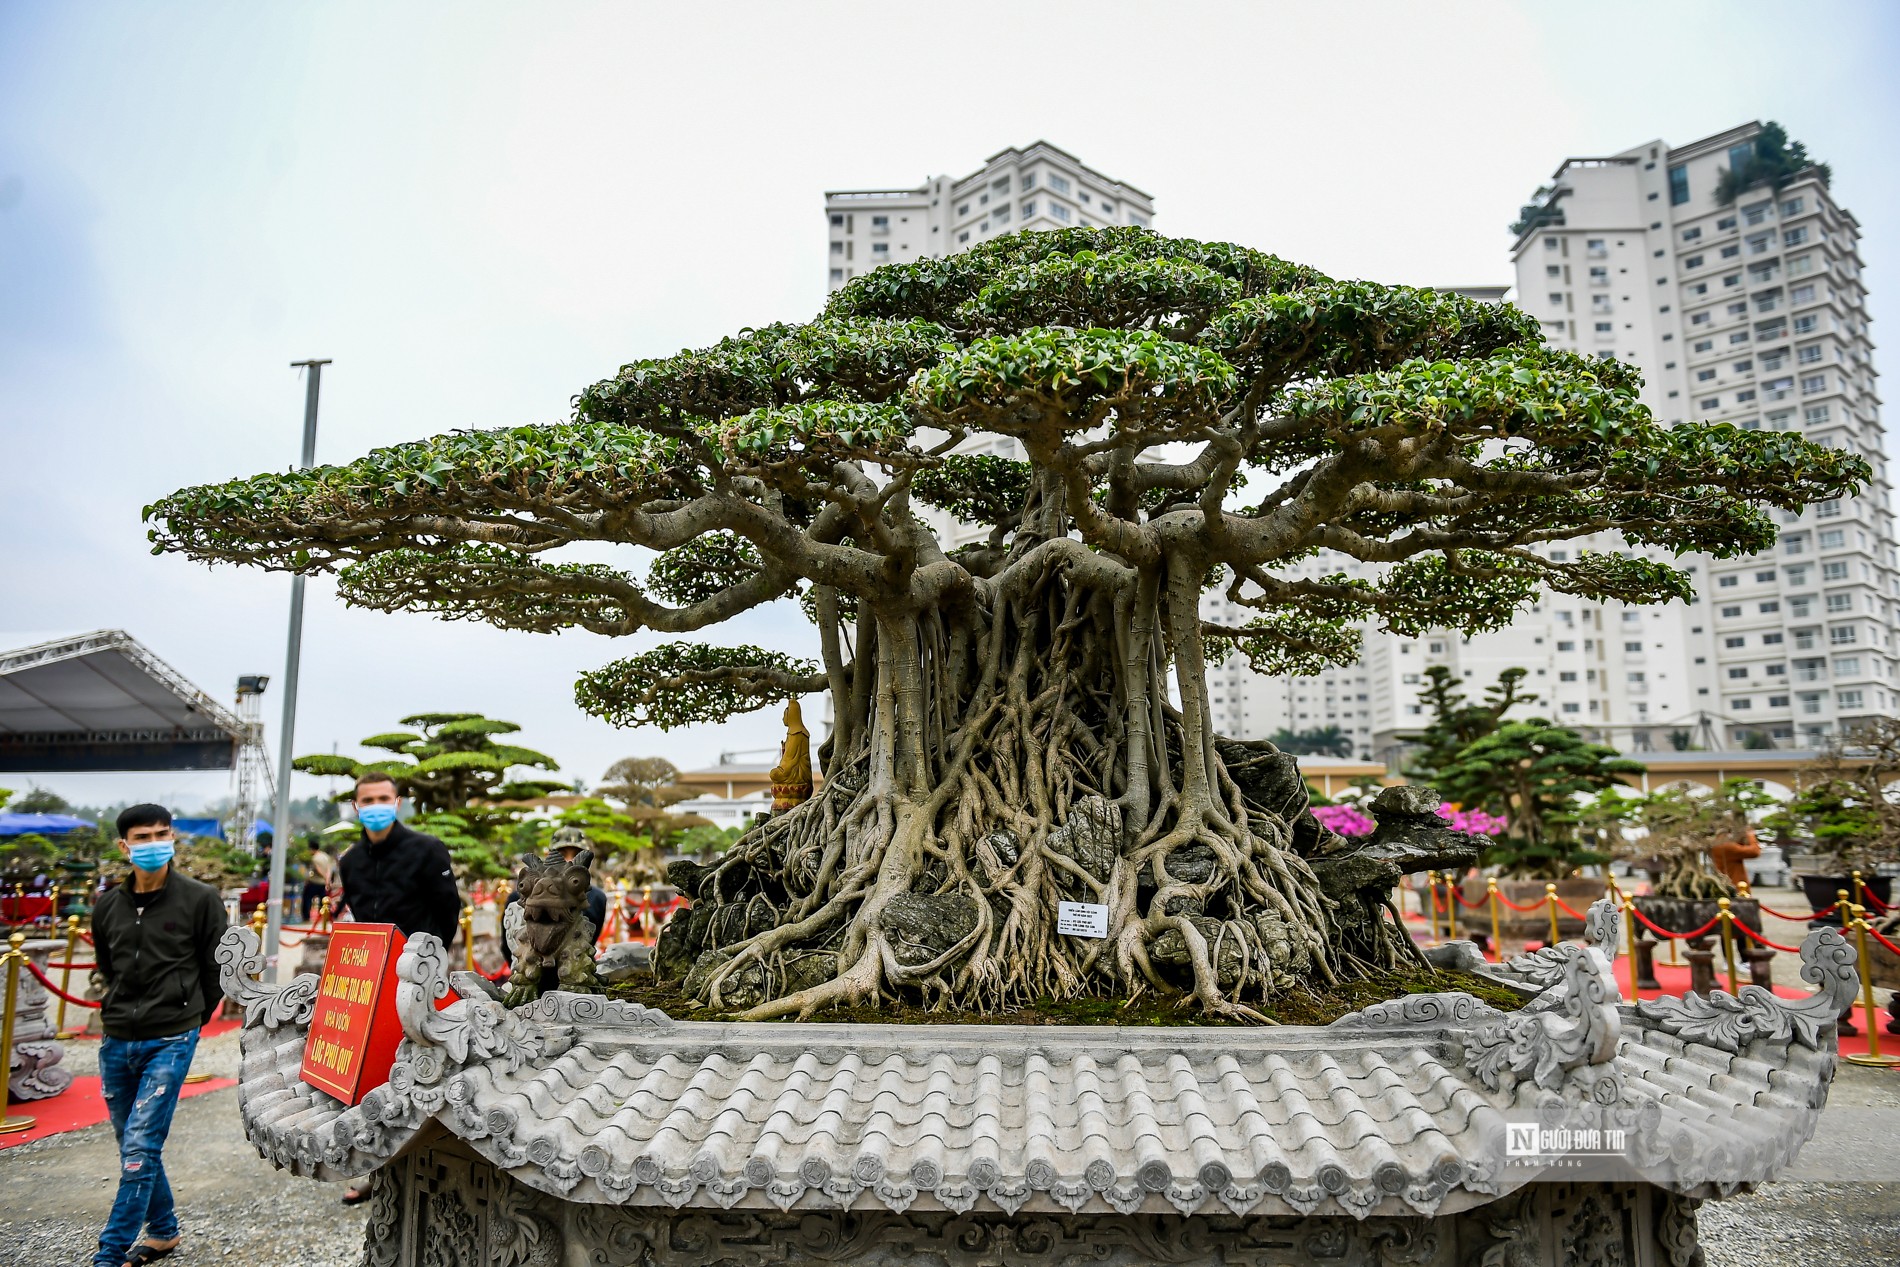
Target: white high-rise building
point(1751, 311)
point(1744, 306)
point(1036, 187)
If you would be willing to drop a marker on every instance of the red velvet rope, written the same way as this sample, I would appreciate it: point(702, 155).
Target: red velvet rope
point(1537, 905)
point(1879, 906)
point(1786, 950)
point(1663, 932)
point(1566, 906)
point(1875, 934)
point(1471, 906)
point(1767, 910)
point(53, 989)
point(76, 967)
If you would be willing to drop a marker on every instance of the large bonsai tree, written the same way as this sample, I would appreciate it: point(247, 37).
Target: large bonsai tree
point(1004, 733)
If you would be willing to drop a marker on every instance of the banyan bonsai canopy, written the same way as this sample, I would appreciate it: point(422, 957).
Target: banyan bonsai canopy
point(1193, 414)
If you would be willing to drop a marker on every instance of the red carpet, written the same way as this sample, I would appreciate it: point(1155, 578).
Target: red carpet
point(82, 1105)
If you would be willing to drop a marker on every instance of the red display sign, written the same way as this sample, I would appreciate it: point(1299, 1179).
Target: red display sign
point(354, 1030)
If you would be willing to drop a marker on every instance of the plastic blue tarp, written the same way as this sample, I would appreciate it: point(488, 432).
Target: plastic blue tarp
point(198, 827)
point(41, 824)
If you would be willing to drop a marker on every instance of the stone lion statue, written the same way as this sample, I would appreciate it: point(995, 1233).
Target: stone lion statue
point(547, 925)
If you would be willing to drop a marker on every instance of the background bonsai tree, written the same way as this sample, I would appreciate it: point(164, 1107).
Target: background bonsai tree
point(1844, 813)
point(1457, 724)
point(457, 775)
point(1004, 734)
point(1670, 831)
point(1536, 776)
point(622, 849)
point(644, 789)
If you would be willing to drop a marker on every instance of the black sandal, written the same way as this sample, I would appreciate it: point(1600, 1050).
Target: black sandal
point(143, 1253)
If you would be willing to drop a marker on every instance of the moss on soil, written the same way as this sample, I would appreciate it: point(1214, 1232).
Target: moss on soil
point(1302, 1007)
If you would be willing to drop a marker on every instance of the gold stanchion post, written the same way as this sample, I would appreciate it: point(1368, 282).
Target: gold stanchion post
point(1550, 900)
point(1431, 903)
point(1860, 890)
point(1728, 942)
point(468, 936)
point(1497, 925)
point(1629, 923)
point(10, 964)
point(1872, 1056)
point(66, 979)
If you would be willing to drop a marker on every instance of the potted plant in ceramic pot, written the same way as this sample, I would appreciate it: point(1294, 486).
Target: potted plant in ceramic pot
point(1027, 814)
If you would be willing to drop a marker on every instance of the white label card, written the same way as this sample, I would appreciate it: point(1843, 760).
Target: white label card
point(1081, 919)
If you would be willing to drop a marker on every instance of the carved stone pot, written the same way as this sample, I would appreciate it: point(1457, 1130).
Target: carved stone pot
point(581, 1131)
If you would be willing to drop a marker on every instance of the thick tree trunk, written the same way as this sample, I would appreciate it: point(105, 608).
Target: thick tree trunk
point(1006, 761)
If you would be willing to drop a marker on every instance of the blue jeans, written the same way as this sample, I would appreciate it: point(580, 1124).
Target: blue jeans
point(141, 1079)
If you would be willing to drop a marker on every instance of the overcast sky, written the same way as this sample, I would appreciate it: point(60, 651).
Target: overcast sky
point(477, 209)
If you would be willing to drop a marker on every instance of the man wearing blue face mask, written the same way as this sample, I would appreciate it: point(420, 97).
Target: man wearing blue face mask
point(156, 939)
point(396, 875)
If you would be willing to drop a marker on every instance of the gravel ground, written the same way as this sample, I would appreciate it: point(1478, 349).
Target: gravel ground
point(232, 1206)
point(1841, 1204)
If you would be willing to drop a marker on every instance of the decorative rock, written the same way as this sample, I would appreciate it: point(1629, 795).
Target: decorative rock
point(1091, 837)
point(624, 961)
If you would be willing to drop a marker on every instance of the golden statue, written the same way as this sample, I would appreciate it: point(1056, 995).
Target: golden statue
point(791, 777)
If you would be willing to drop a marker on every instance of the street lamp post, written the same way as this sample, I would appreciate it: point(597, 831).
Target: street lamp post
point(293, 655)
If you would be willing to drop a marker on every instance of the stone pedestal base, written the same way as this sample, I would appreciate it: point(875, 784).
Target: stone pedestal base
point(34, 1071)
point(437, 1202)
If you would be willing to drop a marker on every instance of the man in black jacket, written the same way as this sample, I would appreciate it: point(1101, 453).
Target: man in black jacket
point(393, 875)
point(156, 938)
point(396, 876)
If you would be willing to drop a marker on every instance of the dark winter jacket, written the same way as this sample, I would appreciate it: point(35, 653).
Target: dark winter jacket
point(404, 880)
point(159, 966)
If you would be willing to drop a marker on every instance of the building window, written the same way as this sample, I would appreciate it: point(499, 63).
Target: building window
point(1847, 666)
point(837, 248)
point(964, 236)
point(1694, 261)
point(1810, 355)
point(1000, 214)
point(1771, 605)
point(1738, 673)
point(1835, 571)
point(1057, 210)
point(881, 250)
point(1059, 184)
point(1743, 703)
point(1029, 181)
point(1842, 636)
point(837, 276)
point(1690, 235)
point(1633, 648)
point(1792, 207)
point(1728, 582)
point(1029, 209)
point(1566, 646)
point(1703, 376)
point(963, 209)
point(1729, 613)
point(1713, 402)
point(1848, 699)
point(1678, 186)
point(1813, 383)
point(1795, 237)
point(1573, 708)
